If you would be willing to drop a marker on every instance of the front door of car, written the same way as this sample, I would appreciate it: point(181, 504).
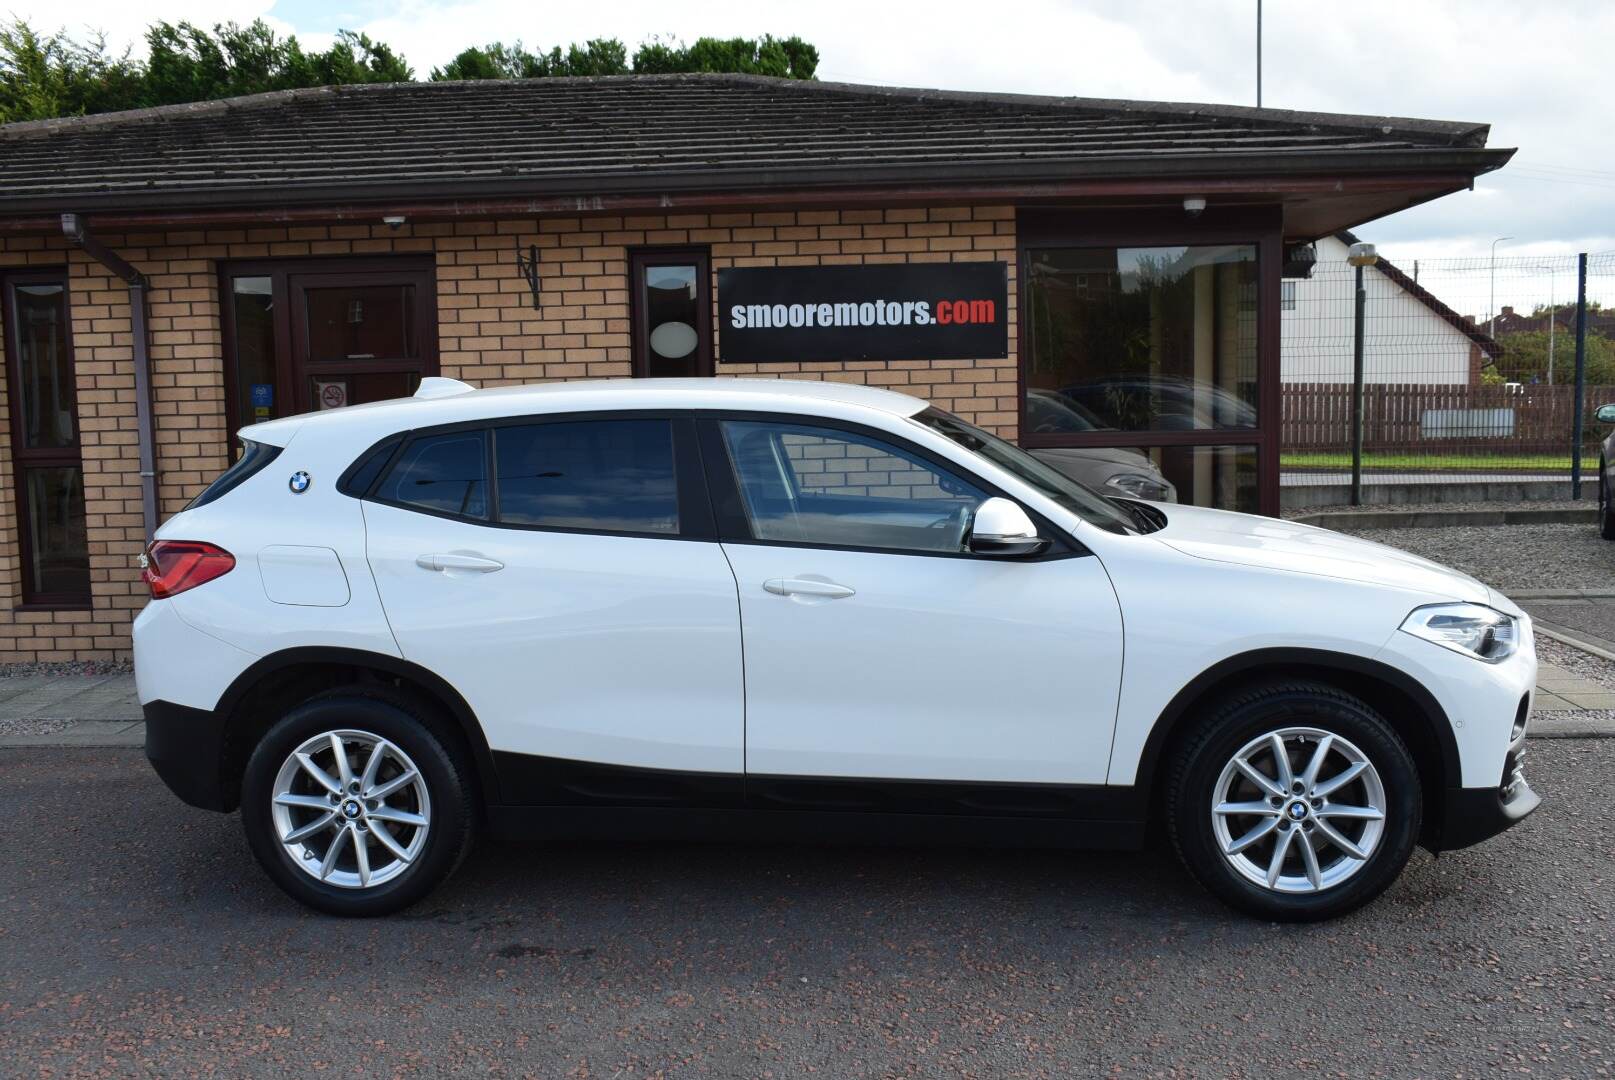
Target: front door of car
point(580, 603)
point(877, 648)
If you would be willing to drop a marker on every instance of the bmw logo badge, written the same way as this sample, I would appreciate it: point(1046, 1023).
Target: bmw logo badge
point(299, 482)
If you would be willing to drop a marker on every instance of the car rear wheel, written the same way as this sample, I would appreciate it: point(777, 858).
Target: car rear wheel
point(1606, 517)
point(356, 803)
point(1295, 802)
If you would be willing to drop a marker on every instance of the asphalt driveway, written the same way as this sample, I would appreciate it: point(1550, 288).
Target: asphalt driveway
point(139, 938)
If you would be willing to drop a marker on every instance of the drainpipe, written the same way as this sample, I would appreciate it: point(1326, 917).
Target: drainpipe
point(73, 228)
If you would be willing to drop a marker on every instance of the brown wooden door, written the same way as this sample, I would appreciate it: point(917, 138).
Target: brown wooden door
point(360, 336)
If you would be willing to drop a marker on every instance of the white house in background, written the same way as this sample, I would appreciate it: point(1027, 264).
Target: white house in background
point(1409, 335)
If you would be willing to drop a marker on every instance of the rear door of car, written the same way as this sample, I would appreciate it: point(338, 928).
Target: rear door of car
point(563, 574)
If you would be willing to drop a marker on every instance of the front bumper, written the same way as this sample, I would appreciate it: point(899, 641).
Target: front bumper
point(186, 747)
point(1470, 815)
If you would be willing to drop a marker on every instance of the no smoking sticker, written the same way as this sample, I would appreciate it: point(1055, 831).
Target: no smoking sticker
point(331, 395)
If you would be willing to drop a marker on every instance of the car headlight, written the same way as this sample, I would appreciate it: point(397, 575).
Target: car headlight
point(1477, 631)
point(1139, 485)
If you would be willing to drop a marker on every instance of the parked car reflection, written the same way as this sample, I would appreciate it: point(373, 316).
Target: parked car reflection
point(1110, 470)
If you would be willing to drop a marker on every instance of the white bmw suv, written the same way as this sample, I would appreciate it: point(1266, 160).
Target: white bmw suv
point(724, 606)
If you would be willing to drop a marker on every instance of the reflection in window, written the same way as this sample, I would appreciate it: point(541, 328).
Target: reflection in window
point(362, 322)
point(45, 454)
point(252, 307)
point(600, 475)
point(1143, 339)
point(819, 486)
point(58, 542)
point(442, 472)
point(44, 367)
point(1219, 476)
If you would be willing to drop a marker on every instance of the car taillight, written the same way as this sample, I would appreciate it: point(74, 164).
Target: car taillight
point(173, 566)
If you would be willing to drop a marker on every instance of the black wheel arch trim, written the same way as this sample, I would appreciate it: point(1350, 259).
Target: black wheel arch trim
point(465, 720)
point(1169, 723)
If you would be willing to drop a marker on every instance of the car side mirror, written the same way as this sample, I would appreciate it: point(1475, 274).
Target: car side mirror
point(1606, 414)
point(1001, 527)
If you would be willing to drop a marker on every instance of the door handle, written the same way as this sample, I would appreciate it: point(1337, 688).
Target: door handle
point(473, 563)
point(829, 590)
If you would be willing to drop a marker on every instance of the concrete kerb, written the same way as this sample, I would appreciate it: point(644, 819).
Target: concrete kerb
point(1443, 519)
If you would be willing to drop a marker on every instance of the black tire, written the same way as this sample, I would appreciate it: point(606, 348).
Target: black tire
point(1606, 514)
point(397, 718)
point(1234, 723)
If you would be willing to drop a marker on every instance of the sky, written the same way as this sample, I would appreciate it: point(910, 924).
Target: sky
point(1533, 72)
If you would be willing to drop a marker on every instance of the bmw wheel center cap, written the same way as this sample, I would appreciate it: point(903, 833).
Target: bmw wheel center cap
point(299, 482)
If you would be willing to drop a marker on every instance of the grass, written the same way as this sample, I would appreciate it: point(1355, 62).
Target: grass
point(1441, 462)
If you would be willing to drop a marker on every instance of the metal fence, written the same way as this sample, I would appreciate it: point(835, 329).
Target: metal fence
point(1468, 370)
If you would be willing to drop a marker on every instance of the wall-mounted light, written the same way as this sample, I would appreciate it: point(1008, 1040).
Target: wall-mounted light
point(527, 266)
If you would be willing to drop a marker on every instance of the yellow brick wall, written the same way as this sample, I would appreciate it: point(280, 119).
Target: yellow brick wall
point(489, 334)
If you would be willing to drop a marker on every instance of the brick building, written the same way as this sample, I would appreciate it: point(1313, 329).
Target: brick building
point(173, 274)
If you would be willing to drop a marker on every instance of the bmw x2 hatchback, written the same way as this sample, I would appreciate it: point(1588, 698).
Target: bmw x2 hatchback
point(798, 608)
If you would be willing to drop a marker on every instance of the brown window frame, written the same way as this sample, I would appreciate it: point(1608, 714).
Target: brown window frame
point(24, 457)
point(289, 388)
point(642, 259)
point(1260, 227)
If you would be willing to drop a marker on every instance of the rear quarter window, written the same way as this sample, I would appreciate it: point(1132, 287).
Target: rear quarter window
point(255, 457)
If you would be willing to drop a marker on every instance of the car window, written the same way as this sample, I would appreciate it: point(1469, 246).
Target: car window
point(447, 473)
point(600, 475)
point(813, 485)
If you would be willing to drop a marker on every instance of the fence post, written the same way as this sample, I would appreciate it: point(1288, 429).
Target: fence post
point(1357, 395)
point(1581, 373)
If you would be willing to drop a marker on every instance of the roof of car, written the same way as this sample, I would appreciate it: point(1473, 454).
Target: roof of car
point(593, 395)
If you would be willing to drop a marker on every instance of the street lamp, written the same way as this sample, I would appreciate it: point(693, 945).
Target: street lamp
point(1358, 255)
point(1491, 304)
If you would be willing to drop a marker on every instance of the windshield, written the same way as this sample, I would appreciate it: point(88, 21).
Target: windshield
point(1085, 503)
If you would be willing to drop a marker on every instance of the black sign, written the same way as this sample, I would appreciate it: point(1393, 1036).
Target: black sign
point(900, 311)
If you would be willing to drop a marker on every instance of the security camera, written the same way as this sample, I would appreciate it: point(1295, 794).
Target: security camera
point(1194, 206)
point(393, 220)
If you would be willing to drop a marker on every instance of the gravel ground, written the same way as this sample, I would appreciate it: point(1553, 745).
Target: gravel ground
point(1381, 508)
point(139, 938)
point(67, 667)
point(1513, 556)
point(19, 726)
point(1585, 665)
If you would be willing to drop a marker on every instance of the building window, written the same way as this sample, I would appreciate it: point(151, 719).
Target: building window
point(672, 312)
point(45, 454)
point(1286, 296)
point(1145, 339)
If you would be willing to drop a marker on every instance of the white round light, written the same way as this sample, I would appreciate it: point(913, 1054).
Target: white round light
point(673, 340)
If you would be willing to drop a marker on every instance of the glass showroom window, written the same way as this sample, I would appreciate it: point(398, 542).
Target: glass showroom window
point(672, 308)
point(45, 454)
point(1141, 339)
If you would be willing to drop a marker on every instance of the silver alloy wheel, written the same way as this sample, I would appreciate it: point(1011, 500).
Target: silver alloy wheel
point(1298, 810)
point(354, 829)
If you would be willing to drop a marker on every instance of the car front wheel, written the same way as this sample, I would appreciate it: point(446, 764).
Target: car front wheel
point(355, 803)
point(1295, 802)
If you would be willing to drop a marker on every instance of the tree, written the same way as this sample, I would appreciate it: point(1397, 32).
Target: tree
point(47, 76)
point(1525, 358)
point(188, 63)
point(600, 56)
point(42, 77)
point(788, 58)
